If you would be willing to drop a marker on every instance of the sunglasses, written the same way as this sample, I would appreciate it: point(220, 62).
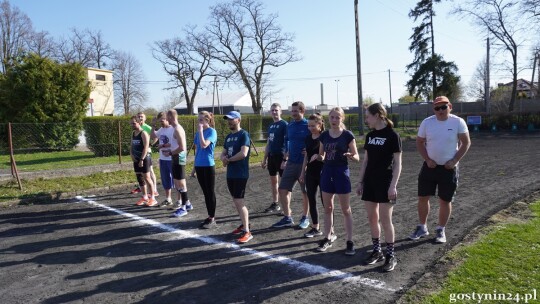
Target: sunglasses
point(440, 108)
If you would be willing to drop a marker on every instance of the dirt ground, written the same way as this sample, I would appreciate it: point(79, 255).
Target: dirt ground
point(104, 249)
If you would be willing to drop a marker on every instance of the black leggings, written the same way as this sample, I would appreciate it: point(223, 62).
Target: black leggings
point(312, 183)
point(207, 180)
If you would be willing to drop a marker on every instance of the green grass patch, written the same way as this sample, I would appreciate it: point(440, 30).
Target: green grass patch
point(503, 263)
point(38, 188)
point(58, 160)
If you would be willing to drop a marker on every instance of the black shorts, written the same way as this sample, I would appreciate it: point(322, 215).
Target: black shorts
point(147, 162)
point(274, 164)
point(178, 171)
point(446, 181)
point(237, 187)
point(376, 188)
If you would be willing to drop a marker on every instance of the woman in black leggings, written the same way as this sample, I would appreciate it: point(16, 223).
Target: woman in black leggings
point(204, 168)
point(311, 170)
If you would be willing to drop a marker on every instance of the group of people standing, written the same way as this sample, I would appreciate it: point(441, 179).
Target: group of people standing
point(303, 152)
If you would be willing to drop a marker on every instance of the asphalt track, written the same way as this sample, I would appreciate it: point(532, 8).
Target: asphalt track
point(101, 248)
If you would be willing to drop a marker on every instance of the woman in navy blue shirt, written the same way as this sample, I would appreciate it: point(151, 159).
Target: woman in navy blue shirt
point(338, 146)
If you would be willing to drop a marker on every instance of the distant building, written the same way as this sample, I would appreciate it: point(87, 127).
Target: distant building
point(101, 99)
point(525, 89)
point(237, 101)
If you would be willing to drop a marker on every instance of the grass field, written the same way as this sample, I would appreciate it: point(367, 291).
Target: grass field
point(501, 265)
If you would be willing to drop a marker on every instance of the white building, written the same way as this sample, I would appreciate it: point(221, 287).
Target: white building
point(222, 104)
point(101, 99)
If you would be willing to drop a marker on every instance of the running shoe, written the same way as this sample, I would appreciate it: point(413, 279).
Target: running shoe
point(141, 202)
point(324, 245)
point(156, 194)
point(304, 222)
point(246, 237)
point(350, 248)
point(286, 221)
point(189, 206)
point(333, 237)
point(208, 223)
point(136, 190)
point(312, 233)
point(389, 263)
point(418, 233)
point(151, 202)
point(440, 236)
point(274, 207)
point(179, 212)
point(166, 203)
point(374, 257)
point(238, 230)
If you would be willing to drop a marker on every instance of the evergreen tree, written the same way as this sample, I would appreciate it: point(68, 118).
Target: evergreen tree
point(38, 90)
point(431, 75)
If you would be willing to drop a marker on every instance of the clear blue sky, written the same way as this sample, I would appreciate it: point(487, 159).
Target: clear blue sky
point(325, 37)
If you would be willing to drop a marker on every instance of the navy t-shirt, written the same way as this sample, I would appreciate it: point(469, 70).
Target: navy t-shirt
point(381, 146)
point(334, 148)
point(277, 134)
point(233, 143)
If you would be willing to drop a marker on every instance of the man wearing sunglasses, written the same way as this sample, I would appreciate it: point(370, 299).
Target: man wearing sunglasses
point(443, 139)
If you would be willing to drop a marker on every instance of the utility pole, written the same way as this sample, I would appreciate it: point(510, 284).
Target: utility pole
point(358, 71)
point(486, 84)
point(337, 91)
point(390, 89)
point(532, 78)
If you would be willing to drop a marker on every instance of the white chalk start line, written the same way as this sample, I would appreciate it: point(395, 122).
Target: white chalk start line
point(305, 267)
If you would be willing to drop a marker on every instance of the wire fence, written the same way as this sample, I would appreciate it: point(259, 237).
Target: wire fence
point(51, 146)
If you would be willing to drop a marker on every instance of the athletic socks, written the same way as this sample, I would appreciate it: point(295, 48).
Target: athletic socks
point(390, 249)
point(184, 197)
point(376, 244)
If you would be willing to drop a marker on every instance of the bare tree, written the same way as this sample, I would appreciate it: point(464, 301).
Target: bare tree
point(531, 7)
point(42, 44)
point(76, 48)
point(15, 31)
point(503, 21)
point(86, 47)
point(249, 42)
point(102, 51)
point(129, 92)
point(477, 86)
point(187, 61)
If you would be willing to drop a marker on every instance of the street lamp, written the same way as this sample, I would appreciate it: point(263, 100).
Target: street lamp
point(337, 91)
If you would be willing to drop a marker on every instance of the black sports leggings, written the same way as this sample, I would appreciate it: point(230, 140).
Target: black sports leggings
point(312, 183)
point(207, 180)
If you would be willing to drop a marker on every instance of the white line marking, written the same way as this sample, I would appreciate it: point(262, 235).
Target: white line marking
point(306, 267)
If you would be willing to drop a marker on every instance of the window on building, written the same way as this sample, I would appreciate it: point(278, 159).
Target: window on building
point(100, 77)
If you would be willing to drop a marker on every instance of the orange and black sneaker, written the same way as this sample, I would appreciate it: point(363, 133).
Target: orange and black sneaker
point(151, 202)
point(136, 190)
point(246, 237)
point(141, 202)
point(238, 230)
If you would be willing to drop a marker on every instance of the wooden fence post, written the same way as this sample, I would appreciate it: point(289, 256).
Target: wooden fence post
point(119, 144)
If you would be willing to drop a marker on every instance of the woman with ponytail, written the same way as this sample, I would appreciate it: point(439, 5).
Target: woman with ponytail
point(379, 175)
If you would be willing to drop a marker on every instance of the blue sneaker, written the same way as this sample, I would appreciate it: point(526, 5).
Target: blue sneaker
point(189, 206)
point(418, 233)
point(286, 221)
point(304, 222)
point(179, 212)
